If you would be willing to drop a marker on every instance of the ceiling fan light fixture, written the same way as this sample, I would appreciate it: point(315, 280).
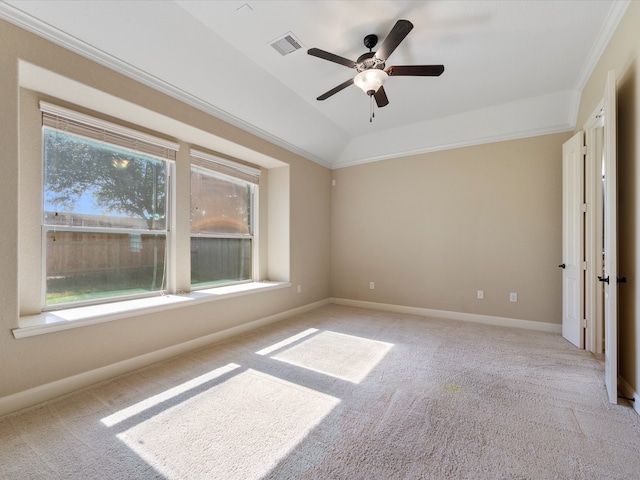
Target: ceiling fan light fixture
point(370, 80)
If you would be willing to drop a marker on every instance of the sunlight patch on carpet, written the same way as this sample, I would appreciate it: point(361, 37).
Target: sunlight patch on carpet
point(240, 428)
point(287, 341)
point(150, 402)
point(342, 356)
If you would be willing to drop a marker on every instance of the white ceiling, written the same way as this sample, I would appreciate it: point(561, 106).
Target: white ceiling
point(512, 68)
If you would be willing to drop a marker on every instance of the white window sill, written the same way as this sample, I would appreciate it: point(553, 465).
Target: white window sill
point(58, 320)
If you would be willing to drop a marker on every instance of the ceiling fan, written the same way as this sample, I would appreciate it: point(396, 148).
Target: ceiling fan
point(371, 65)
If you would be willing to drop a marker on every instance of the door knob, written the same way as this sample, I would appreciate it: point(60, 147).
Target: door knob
point(562, 265)
point(605, 280)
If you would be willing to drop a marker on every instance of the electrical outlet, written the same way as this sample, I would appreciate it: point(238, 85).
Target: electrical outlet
point(299, 288)
point(513, 297)
point(480, 294)
point(372, 286)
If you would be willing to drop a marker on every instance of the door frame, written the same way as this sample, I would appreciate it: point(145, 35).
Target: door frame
point(594, 230)
point(599, 240)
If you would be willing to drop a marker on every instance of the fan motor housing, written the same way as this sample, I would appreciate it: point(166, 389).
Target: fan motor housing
point(367, 61)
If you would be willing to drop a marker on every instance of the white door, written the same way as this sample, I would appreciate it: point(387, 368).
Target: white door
point(610, 241)
point(572, 236)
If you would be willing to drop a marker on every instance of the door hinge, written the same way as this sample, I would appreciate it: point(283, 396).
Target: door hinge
point(583, 150)
point(585, 266)
point(584, 323)
point(584, 207)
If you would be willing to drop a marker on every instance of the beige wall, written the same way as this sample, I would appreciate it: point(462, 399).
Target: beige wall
point(430, 230)
point(623, 55)
point(34, 361)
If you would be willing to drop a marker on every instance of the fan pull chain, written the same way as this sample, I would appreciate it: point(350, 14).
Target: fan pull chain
point(371, 112)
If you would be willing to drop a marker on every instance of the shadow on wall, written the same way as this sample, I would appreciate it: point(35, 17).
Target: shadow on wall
point(627, 221)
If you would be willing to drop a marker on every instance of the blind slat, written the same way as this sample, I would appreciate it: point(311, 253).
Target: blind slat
point(93, 128)
point(224, 166)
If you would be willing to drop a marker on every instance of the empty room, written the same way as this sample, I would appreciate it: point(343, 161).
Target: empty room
point(360, 239)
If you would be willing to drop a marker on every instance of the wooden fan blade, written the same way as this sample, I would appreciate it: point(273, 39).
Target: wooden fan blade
point(381, 97)
point(316, 52)
point(335, 90)
point(400, 30)
point(416, 70)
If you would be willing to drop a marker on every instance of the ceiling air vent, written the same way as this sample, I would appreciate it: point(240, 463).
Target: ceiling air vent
point(286, 44)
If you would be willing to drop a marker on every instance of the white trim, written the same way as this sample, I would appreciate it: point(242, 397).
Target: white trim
point(574, 108)
point(617, 11)
point(49, 391)
point(72, 115)
point(458, 144)
point(58, 320)
point(628, 391)
point(448, 315)
point(529, 117)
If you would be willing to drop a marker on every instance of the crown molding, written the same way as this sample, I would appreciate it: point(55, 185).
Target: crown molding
point(530, 117)
point(461, 144)
point(618, 9)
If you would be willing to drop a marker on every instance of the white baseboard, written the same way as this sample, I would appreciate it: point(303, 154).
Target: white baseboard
point(467, 317)
point(628, 391)
point(49, 391)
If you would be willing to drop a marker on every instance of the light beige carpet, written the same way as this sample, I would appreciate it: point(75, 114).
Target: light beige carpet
point(340, 393)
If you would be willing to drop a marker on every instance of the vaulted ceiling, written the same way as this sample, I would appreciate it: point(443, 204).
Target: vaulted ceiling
point(512, 68)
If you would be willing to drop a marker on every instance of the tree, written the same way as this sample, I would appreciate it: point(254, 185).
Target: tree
point(120, 182)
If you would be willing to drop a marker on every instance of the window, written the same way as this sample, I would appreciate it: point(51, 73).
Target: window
point(105, 209)
point(169, 263)
point(105, 228)
point(222, 220)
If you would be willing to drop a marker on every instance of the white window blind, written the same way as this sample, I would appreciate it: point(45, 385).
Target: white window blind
point(225, 166)
point(96, 129)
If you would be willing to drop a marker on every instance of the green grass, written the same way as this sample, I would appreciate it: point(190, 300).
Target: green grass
point(72, 297)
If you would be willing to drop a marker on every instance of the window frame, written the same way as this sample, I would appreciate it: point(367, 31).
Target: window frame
point(91, 128)
point(223, 168)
